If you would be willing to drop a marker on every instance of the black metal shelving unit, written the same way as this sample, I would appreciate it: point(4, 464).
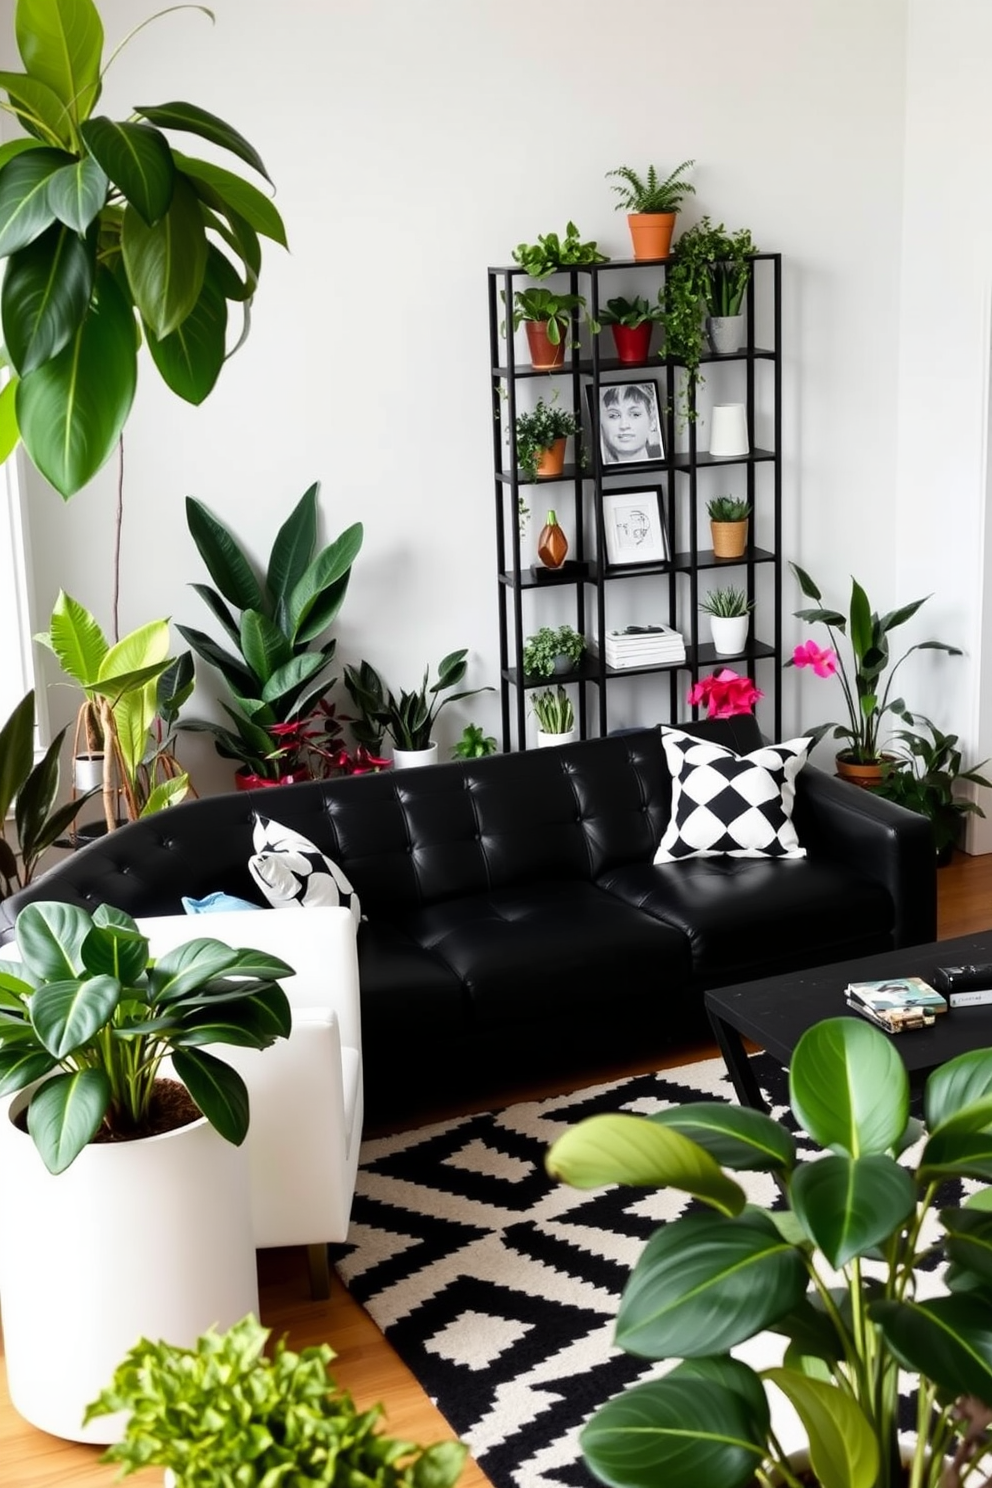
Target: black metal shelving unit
point(580, 490)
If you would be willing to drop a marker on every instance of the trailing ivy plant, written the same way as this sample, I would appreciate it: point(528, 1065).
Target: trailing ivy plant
point(709, 267)
point(113, 238)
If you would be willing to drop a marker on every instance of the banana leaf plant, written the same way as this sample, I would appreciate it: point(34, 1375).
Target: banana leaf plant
point(276, 672)
point(833, 1269)
point(112, 238)
point(31, 789)
point(134, 690)
point(87, 1012)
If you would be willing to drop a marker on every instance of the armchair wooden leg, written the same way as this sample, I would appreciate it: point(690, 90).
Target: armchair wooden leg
point(320, 1272)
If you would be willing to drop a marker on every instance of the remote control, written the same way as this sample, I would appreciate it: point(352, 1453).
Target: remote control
point(967, 978)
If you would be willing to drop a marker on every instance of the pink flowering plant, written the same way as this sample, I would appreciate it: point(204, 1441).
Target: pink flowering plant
point(724, 694)
point(867, 633)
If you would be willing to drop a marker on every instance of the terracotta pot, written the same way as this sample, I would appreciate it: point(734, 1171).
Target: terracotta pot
point(858, 774)
point(651, 233)
point(543, 353)
point(552, 461)
point(729, 538)
point(245, 780)
point(633, 343)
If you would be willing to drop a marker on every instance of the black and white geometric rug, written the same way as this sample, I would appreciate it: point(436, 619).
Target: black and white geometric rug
point(498, 1287)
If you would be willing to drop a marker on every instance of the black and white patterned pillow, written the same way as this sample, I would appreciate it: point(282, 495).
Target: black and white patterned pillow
point(290, 870)
point(731, 805)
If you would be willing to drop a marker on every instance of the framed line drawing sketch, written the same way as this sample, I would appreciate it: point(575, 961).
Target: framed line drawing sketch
point(634, 528)
point(629, 421)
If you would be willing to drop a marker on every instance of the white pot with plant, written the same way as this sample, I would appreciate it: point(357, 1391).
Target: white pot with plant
point(729, 610)
point(277, 1420)
point(553, 651)
point(126, 1209)
point(555, 717)
point(409, 719)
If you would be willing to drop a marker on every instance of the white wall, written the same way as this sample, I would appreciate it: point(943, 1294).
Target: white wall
point(415, 142)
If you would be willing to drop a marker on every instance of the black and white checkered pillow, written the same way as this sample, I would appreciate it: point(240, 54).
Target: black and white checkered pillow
point(290, 870)
point(731, 805)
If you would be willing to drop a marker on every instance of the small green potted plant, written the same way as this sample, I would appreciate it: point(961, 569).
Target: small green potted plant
point(652, 205)
point(474, 743)
point(409, 719)
point(550, 253)
point(278, 1420)
point(729, 609)
point(710, 267)
point(920, 772)
point(728, 524)
point(555, 716)
point(632, 322)
point(540, 438)
point(831, 1265)
point(550, 650)
point(547, 318)
point(868, 702)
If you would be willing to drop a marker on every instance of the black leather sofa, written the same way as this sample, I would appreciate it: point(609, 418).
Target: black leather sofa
point(516, 923)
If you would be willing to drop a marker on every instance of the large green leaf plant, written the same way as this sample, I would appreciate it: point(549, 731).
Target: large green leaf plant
point(29, 789)
point(834, 1269)
point(277, 667)
point(88, 1013)
point(112, 237)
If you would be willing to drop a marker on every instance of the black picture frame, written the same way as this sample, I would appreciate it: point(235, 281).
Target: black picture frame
point(635, 533)
point(642, 402)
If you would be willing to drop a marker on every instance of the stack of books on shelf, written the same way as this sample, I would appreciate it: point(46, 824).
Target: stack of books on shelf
point(643, 645)
point(897, 1003)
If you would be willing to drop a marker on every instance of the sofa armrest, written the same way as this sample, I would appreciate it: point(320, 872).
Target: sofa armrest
point(882, 841)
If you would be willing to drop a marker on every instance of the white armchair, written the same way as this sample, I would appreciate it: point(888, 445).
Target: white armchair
point(306, 1091)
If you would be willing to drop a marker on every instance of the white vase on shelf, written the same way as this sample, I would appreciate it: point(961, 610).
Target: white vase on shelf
point(728, 430)
point(548, 741)
point(729, 634)
point(412, 759)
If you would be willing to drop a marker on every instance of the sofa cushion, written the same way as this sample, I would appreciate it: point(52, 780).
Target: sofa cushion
point(725, 803)
point(552, 949)
point(292, 872)
point(746, 918)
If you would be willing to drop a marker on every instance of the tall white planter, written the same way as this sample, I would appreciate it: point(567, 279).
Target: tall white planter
point(409, 759)
point(151, 1239)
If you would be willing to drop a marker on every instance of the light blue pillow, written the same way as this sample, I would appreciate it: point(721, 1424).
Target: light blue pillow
point(216, 903)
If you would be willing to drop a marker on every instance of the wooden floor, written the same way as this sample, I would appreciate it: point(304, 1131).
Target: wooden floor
point(366, 1364)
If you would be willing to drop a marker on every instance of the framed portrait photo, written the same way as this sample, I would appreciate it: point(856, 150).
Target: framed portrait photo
point(634, 527)
point(628, 416)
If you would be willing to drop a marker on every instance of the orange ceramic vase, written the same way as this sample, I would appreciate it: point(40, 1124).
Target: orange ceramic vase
point(552, 545)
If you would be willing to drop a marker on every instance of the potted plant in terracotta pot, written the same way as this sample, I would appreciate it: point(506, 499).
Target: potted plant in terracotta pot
point(834, 1273)
point(729, 610)
point(541, 436)
point(632, 323)
point(277, 670)
point(547, 319)
point(119, 1109)
point(868, 702)
point(728, 524)
point(652, 205)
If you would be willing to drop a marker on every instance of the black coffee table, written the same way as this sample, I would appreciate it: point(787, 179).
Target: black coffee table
point(775, 1012)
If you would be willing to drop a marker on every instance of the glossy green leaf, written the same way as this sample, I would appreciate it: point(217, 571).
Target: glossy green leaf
point(291, 553)
point(61, 43)
point(167, 793)
point(225, 561)
point(329, 567)
point(67, 1014)
point(635, 1151)
point(44, 833)
point(263, 645)
point(194, 120)
point(71, 410)
point(956, 1154)
point(292, 675)
point(16, 147)
point(842, 1445)
point(115, 951)
point(736, 1137)
point(224, 277)
point(77, 194)
point(256, 1022)
point(25, 212)
point(850, 1205)
point(45, 295)
point(50, 937)
point(241, 196)
point(10, 434)
point(186, 968)
point(16, 751)
point(948, 1339)
point(848, 1087)
point(705, 1283)
point(239, 236)
point(65, 1113)
point(218, 1090)
point(133, 654)
point(138, 161)
point(190, 358)
point(134, 715)
point(969, 1239)
point(35, 800)
point(40, 111)
point(231, 669)
point(957, 1085)
point(675, 1431)
point(21, 1067)
point(324, 612)
point(76, 639)
point(166, 262)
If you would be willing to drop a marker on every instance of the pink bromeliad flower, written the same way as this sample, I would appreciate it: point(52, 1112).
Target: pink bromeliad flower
point(823, 660)
point(725, 694)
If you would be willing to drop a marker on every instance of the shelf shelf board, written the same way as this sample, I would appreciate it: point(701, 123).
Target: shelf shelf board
point(682, 463)
point(569, 473)
point(524, 369)
point(706, 558)
point(551, 581)
point(706, 654)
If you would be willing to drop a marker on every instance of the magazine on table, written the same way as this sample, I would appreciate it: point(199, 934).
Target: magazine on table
point(896, 1003)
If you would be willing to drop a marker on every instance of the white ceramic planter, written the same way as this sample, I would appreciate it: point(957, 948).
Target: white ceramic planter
point(548, 741)
point(87, 772)
point(136, 1239)
point(729, 633)
point(411, 759)
point(728, 430)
